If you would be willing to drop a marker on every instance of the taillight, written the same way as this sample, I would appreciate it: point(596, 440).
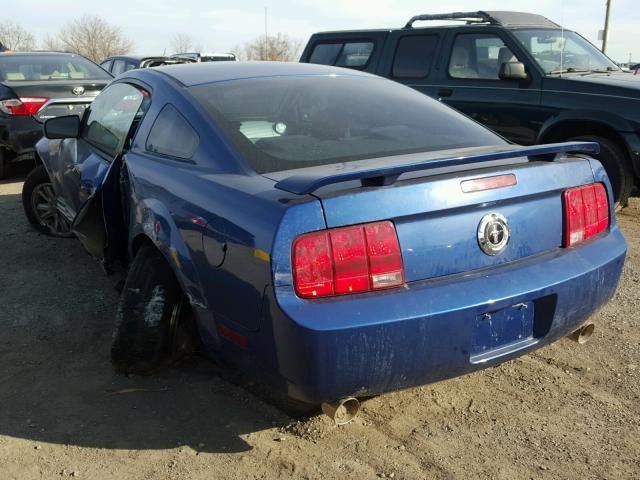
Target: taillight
point(586, 211)
point(347, 260)
point(22, 106)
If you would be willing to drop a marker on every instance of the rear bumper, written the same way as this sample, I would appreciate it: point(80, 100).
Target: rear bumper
point(19, 135)
point(374, 343)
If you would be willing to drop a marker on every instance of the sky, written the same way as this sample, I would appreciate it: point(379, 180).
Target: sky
point(220, 26)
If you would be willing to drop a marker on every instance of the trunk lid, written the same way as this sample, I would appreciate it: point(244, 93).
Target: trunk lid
point(438, 224)
point(66, 97)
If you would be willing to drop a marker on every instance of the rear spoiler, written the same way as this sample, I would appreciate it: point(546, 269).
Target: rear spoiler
point(384, 171)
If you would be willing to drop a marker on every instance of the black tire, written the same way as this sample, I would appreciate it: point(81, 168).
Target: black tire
point(148, 307)
point(38, 180)
point(615, 162)
point(3, 164)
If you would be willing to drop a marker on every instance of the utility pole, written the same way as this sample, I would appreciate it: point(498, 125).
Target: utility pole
point(606, 27)
point(266, 36)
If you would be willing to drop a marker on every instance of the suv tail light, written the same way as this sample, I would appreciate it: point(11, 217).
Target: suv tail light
point(22, 106)
point(347, 260)
point(586, 212)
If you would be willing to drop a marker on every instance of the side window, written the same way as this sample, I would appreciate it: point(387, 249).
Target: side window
point(355, 55)
point(111, 117)
point(107, 65)
point(414, 56)
point(342, 54)
point(479, 56)
point(325, 53)
point(118, 67)
point(130, 66)
point(172, 135)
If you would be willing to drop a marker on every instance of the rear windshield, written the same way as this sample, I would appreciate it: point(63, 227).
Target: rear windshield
point(286, 123)
point(25, 68)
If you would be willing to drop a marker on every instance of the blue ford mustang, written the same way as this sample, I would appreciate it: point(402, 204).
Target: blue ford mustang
point(329, 232)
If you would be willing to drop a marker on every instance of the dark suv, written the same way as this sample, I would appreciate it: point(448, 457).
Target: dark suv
point(519, 74)
point(35, 87)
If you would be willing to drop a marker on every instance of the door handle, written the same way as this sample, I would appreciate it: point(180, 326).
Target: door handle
point(445, 92)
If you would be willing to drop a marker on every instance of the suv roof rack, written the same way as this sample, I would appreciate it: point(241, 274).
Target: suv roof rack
point(519, 19)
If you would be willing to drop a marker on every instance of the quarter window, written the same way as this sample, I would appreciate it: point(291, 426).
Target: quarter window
point(172, 135)
point(414, 56)
point(118, 67)
point(479, 56)
point(342, 54)
point(111, 117)
point(107, 65)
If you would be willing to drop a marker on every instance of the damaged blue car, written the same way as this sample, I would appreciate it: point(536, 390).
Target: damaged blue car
point(330, 233)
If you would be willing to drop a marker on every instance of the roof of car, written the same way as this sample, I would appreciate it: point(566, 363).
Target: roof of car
point(505, 19)
point(502, 18)
point(34, 53)
point(190, 74)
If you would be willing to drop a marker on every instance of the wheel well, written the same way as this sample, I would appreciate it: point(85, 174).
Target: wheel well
point(138, 242)
point(569, 129)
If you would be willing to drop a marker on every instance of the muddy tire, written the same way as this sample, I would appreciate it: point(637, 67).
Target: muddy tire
point(149, 305)
point(615, 162)
point(39, 203)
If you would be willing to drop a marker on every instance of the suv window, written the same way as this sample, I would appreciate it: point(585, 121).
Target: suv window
point(478, 56)
point(414, 56)
point(111, 116)
point(342, 54)
point(169, 126)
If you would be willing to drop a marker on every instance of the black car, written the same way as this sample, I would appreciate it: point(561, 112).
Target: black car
point(35, 87)
point(123, 63)
point(520, 74)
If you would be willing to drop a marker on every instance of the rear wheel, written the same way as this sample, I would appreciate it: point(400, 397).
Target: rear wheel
point(153, 322)
point(39, 201)
point(617, 166)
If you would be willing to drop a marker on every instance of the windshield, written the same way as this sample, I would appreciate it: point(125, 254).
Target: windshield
point(285, 123)
point(17, 68)
point(558, 51)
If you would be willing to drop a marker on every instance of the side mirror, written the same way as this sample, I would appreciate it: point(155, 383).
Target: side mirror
point(513, 71)
point(62, 127)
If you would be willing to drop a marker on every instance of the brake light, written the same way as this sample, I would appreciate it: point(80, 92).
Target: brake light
point(347, 260)
point(586, 211)
point(23, 106)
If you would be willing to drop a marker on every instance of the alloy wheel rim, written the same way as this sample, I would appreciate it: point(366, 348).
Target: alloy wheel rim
point(43, 202)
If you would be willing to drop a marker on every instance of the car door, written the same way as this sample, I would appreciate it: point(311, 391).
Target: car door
point(470, 83)
point(90, 162)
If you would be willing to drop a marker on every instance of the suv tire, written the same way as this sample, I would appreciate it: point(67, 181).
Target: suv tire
point(617, 165)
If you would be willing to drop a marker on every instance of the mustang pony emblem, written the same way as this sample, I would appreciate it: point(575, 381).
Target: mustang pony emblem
point(493, 233)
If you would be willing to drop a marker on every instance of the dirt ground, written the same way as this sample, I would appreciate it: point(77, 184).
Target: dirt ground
point(566, 411)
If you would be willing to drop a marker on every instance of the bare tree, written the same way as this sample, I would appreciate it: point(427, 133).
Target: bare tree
point(278, 47)
point(181, 43)
point(15, 37)
point(91, 37)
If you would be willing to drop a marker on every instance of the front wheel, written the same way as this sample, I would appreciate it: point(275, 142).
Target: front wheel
point(151, 327)
point(617, 165)
point(40, 204)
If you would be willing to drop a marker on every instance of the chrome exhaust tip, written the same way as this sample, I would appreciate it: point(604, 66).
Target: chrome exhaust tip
point(342, 411)
point(583, 334)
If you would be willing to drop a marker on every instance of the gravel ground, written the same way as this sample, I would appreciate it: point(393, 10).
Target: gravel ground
point(565, 411)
